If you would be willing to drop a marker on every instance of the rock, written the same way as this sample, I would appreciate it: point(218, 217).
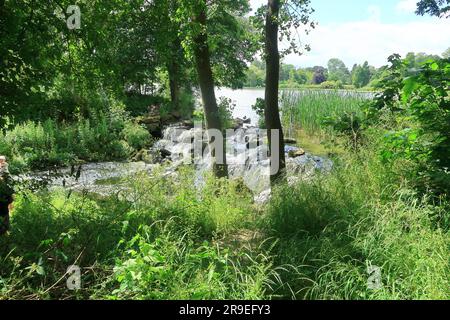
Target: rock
point(171, 118)
point(263, 197)
point(154, 109)
point(140, 155)
point(288, 149)
point(296, 153)
point(188, 124)
point(290, 141)
point(176, 115)
point(150, 119)
point(165, 153)
point(237, 123)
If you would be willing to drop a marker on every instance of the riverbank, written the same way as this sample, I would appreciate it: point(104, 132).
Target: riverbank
point(156, 231)
point(162, 239)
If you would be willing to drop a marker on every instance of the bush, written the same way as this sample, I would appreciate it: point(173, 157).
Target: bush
point(42, 145)
point(136, 136)
point(416, 114)
point(332, 85)
point(226, 107)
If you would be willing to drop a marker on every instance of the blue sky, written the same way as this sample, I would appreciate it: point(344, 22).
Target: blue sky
point(359, 30)
point(387, 11)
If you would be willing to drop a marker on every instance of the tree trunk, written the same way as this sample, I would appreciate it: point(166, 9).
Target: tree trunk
point(271, 112)
point(174, 84)
point(206, 82)
point(174, 69)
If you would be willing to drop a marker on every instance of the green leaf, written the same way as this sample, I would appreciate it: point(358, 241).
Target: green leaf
point(410, 84)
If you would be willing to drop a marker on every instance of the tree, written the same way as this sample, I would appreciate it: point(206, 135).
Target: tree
point(301, 76)
point(446, 54)
point(361, 76)
point(278, 18)
point(206, 82)
point(337, 71)
point(320, 75)
point(255, 76)
point(216, 40)
point(285, 71)
point(439, 8)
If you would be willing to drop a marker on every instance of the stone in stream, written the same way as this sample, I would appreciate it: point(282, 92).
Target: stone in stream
point(249, 166)
point(296, 153)
point(165, 153)
point(239, 123)
point(152, 121)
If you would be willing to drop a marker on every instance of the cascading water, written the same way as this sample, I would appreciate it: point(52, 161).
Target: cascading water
point(246, 159)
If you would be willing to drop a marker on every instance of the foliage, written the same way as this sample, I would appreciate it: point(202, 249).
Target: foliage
point(258, 107)
point(446, 54)
point(433, 7)
point(226, 108)
point(349, 125)
point(337, 71)
point(361, 75)
point(320, 75)
point(230, 39)
point(170, 241)
point(294, 15)
point(415, 112)
point(332, 85)
point(331, 229)
point(48, 144)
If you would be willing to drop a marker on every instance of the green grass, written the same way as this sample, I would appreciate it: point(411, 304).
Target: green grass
point(306, 109)
point(163, 243)
point(314, 240)
point(36, 145)
point(331, 229)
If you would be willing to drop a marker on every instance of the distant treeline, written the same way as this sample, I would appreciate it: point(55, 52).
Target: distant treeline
point(335, 75)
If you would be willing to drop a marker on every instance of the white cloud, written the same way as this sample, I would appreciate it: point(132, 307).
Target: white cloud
point(374, 12)
point(355, 42)
point(407, 6)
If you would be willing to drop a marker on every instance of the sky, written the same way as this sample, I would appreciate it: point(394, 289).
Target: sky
point(359, 30)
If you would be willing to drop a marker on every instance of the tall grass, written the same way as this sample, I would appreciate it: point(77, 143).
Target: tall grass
point(306, 109)
point(165, 241)
point(36, 145)
point(363, 214)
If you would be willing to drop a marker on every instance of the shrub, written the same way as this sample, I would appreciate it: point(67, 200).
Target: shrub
point(42, 145)
point(136, 136)
point(332, 85)
point(415, 112)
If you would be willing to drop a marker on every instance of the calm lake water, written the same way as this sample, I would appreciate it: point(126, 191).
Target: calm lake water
point(244, 99)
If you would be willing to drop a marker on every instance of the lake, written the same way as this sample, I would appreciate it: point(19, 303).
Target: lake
point(245, 98)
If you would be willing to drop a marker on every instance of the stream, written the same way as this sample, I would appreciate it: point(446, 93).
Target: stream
point(175, 149)
point(176, 145)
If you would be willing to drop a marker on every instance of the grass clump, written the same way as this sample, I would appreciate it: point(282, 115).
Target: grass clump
point(331, 230)
point(162, 240)
point(307, 109)
point(32, 145)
